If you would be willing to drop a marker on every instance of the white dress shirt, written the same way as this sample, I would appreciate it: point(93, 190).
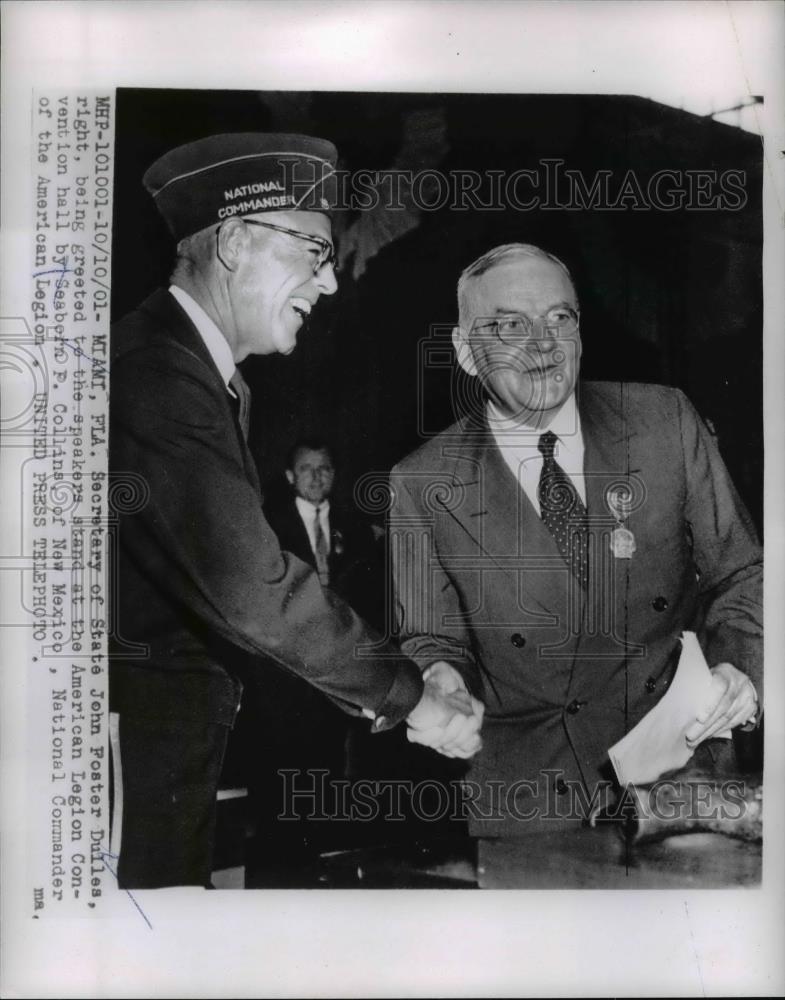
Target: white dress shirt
point(214, 340)
point(518, 445)
point(308, 513)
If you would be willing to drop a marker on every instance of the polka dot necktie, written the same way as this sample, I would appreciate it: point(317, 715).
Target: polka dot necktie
point(562, 510)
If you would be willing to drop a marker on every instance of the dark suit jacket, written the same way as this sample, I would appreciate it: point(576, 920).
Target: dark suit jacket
point(204, 590)
point(563, 673)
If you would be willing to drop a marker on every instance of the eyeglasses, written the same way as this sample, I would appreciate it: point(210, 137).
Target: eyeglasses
point(559, 322)
point(326, 253)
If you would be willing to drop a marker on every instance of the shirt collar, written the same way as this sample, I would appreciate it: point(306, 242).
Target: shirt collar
point(308, 509)
point(214, 340)
point(566, 425)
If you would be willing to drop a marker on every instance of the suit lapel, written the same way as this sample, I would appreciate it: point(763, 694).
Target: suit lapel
point(168, 314)
point(607, 439)
point(609, 442)
point(498, 516)
point(301, 543)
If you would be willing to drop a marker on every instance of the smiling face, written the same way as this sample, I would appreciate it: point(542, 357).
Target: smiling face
point(312, 474)
point(272, 288)
point(529, 380)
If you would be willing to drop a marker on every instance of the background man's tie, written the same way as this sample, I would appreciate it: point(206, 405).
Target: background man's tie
point(321, 550)
point(562, 510)
point(240, 386)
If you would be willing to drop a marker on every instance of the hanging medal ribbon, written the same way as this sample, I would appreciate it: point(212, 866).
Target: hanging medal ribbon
point(619, 498)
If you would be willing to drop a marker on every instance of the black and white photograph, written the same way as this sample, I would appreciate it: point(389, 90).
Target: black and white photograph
point(392, 455)
point(559, 640)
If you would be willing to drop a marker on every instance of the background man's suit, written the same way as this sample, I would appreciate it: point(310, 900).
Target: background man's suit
point(354, 563)
point(204, 594)
point(494, 596)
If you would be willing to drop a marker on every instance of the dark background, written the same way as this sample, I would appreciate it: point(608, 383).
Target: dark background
point(671, 297)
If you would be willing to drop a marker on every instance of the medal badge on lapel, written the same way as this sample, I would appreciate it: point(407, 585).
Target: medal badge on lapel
point(337, 542)
point(619, 500)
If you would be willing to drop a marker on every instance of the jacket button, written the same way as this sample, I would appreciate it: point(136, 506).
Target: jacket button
point(650, 685)
point(575, 706)
point(517, 640)
point(659, 603)
point(560, 785)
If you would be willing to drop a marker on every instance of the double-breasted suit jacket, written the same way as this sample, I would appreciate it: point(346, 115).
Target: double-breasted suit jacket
point(204, 592)
point(565, 672)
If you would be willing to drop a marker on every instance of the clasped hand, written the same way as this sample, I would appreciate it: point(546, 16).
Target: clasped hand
point(447, 718)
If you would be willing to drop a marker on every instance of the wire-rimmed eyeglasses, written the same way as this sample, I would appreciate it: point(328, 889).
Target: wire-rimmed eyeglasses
point(559, 322)
point(326, 253)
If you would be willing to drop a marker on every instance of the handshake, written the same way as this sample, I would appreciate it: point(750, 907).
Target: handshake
point(447, 718)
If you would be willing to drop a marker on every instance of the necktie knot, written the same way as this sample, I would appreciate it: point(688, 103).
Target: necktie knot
point(546, 445)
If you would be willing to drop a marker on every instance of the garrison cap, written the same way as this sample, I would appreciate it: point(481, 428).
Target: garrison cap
point(204, 182)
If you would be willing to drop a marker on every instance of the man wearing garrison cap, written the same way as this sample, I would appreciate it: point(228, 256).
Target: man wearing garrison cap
point(205, 595)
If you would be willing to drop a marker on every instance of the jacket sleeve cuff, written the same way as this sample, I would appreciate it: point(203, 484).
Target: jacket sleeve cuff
point(404, 693)
point(755, 720)
point(745, 652)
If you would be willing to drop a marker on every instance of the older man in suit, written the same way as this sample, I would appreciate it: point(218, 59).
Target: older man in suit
point(551, 547)
point(204, 594)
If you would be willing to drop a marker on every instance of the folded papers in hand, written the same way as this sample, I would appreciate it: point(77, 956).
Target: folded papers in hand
point(658, 743)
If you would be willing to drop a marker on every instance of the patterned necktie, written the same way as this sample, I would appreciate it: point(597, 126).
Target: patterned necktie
point(562, 510)
point(243, 402)
point(320, 549)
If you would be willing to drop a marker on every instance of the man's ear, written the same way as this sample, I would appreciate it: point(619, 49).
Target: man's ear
point(290, 477)
point(462, 351)
point(231, 241)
